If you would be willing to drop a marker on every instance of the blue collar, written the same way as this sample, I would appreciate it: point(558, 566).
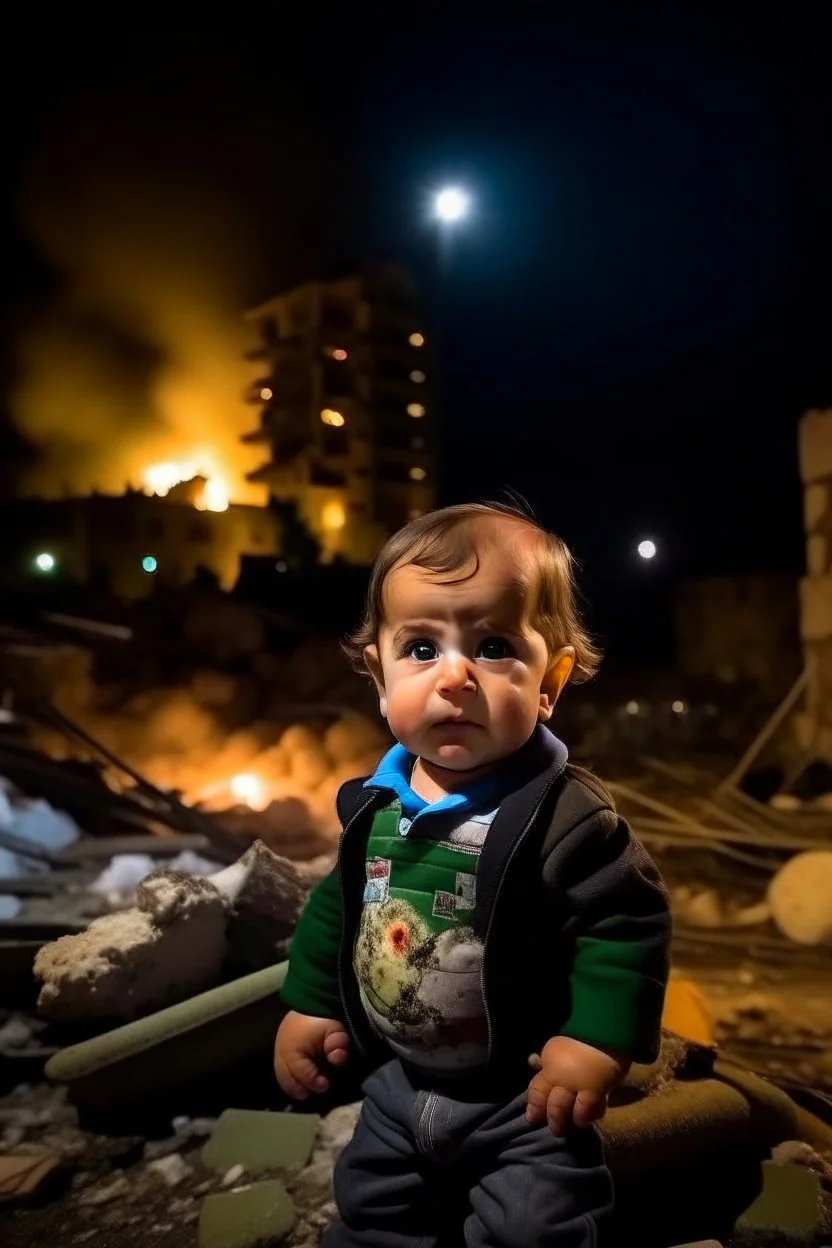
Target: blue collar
point(393, 772)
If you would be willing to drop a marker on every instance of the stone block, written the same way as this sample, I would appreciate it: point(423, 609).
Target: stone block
point(261, 1140)
point(815, 446)
point(815, 505)
point(258, 1214)
point(817, 557)
point(789, 1202)
point(816, 608)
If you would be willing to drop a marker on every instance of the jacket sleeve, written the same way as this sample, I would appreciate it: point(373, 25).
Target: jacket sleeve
point(618, 916)
point(311, 984)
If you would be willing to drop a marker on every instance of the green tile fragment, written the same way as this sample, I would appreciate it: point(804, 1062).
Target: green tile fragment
point(790, 1201)
point(259, 1214)
point(260, 1140)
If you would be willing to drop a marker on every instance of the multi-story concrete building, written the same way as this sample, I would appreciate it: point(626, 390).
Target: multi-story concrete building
point(345, 409)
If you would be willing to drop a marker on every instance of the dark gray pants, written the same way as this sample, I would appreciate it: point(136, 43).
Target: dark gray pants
point(424, 1170)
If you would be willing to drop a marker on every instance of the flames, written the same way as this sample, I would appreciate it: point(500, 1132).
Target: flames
point(161, 478)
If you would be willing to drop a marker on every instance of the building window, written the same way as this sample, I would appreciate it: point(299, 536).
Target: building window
point(416, 410)
point(330, 417)
point(418, 376)
point(417, 474)
point(416, 340)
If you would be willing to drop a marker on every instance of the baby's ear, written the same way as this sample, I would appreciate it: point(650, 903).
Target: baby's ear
point(554, 682)
point(374, 667)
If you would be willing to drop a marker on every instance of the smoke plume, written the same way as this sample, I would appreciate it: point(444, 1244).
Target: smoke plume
point(149, 200)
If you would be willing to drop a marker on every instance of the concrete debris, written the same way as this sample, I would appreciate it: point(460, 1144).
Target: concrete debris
point(232, 1177)
point(119, 880)
point(168, 947)
point(106, 1192)
point(790, 1201)
point(173, 1168)
point(799, 895)
point(258, 1214)
point(311, 1187)
point(173, 942)
point(35, 821)
point(16, 1033)
point(260, 1140)
point(266, 894)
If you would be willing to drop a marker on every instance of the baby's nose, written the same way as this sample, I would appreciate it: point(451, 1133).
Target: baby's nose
point(454, 673)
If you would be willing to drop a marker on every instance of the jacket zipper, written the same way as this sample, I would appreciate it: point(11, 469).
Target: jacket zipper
point(341, 949)
point(515, 847)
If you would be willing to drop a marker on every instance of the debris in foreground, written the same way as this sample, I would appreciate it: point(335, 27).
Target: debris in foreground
point(256, 1214)
point(260, 1140)
point(174, 941)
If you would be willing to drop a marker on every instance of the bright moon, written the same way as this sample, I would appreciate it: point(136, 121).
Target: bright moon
point(647, 549)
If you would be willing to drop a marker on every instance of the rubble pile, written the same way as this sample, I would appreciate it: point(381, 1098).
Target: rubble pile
point(29, 822)
point(281, 729)
point(207, 1174)
point(174, 941)
point(169, 945)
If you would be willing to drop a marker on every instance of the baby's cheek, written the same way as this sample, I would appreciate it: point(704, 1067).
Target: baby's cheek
point(405, 710)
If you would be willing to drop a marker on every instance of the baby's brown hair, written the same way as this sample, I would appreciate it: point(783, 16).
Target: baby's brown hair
point(442, 542)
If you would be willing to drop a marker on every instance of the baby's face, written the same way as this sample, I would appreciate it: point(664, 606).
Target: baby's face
point(463, 676)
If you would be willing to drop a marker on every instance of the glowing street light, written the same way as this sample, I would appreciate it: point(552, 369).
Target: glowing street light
point(149, 564)
point(647, 549)
point(44, 562)
point(451, 204)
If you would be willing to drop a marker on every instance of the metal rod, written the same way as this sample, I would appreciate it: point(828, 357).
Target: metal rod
point(769, 727)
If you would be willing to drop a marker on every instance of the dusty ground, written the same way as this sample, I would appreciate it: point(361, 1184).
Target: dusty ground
point(131, 1192)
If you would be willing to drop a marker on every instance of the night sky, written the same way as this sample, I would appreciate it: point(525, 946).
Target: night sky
point(637, 311)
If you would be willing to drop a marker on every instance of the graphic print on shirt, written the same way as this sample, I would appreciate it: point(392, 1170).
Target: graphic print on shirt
point(417, 958)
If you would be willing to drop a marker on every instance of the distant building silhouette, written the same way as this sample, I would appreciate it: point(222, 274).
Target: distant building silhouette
point(345, 412)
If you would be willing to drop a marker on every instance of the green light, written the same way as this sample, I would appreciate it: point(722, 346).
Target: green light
point(44, 562)
point(149, 564)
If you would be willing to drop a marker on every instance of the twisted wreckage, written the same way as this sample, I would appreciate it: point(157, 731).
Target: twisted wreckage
point(153, 1030)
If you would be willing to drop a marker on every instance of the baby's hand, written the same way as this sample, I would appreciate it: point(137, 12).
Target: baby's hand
point(302, 1047)
point(572, 1084)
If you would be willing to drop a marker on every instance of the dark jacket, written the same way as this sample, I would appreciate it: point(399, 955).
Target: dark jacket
point(572, 911)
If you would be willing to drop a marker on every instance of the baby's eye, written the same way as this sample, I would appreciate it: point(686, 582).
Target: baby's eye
point(421, 650)
point(494, 648)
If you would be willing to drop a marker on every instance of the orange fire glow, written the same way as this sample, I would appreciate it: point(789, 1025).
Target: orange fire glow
point(160, 479)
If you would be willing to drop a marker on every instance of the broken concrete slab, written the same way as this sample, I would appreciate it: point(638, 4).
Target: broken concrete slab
point(789, 1202)
point(261, 1140)
point(170, 945)
point(257, 1214)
